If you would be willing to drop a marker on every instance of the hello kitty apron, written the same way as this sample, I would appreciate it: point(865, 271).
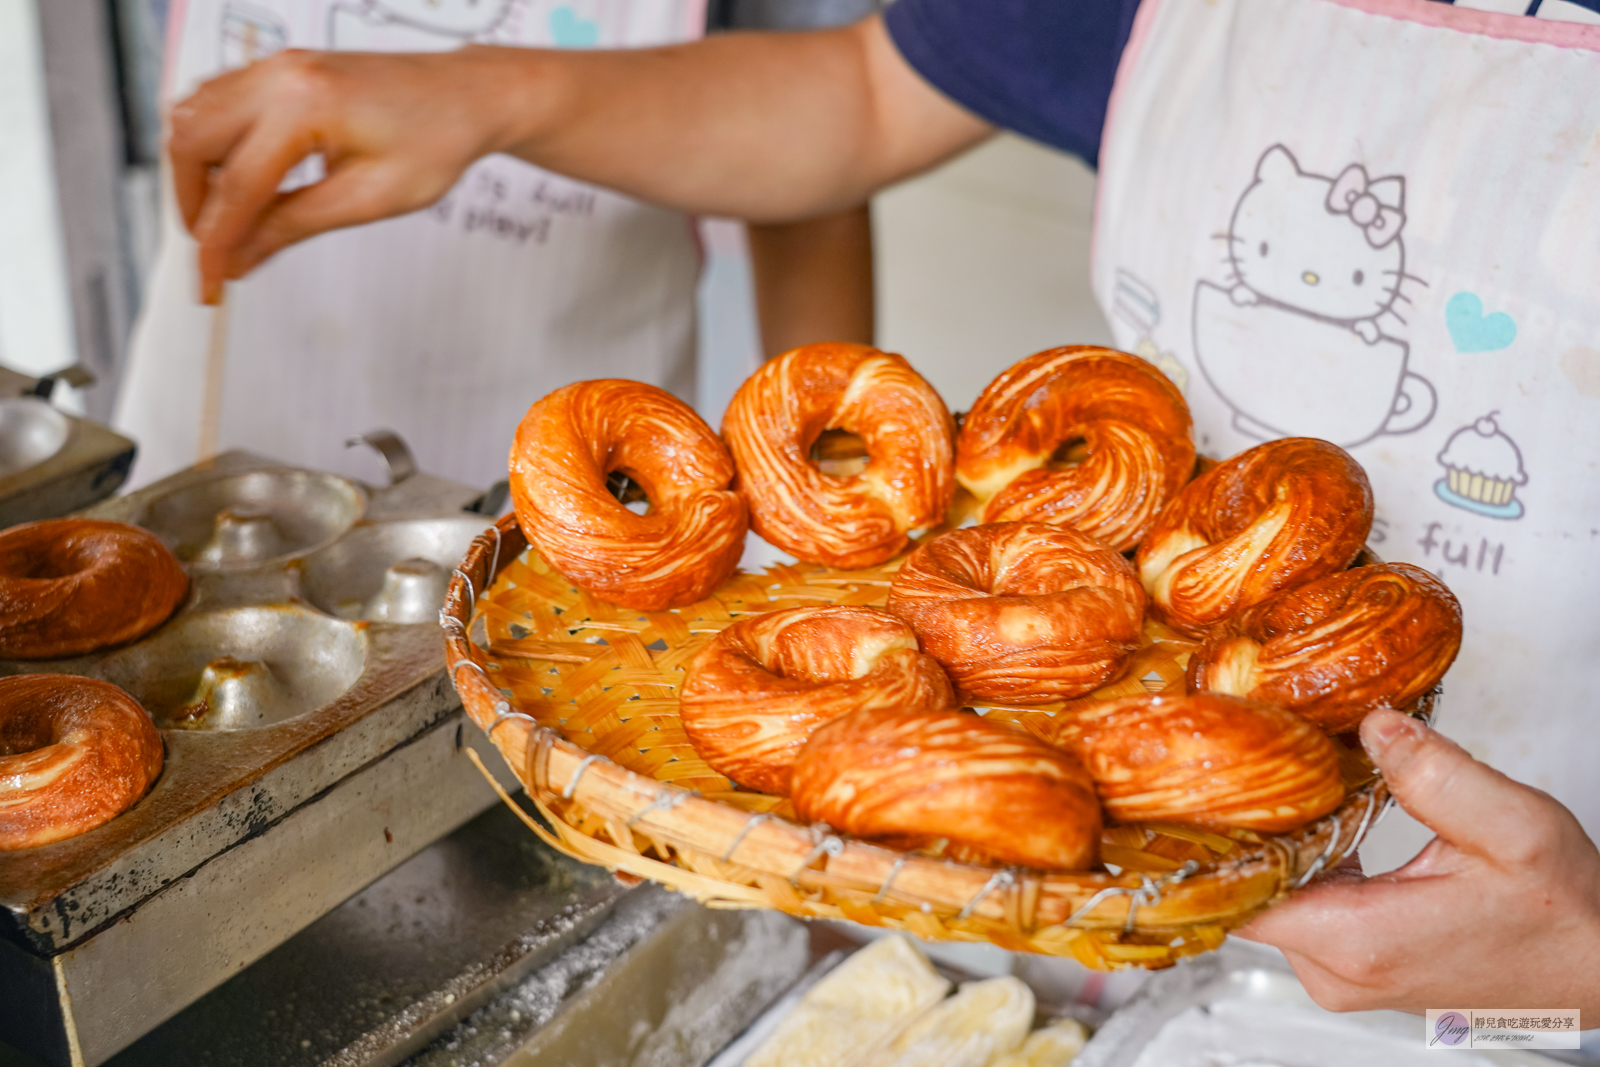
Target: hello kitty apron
point(445, 324)
point(1378, 222)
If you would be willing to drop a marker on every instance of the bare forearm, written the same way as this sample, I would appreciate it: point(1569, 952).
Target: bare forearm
point(757, 126)
point(765, 127)
point(813, 280)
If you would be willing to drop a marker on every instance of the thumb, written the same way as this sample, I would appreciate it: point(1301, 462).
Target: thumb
point(1468, 804)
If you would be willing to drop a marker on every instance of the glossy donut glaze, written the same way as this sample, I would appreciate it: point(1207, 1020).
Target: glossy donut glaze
point(74, 752)
point(1021, 612)
point(1280, 514)
point(690, 540)
point(912, 778)
point(753, 695)
point(1208, 759)
point(1133, 423)
point(70, 586)
point(858, 520)
point(1334, 649)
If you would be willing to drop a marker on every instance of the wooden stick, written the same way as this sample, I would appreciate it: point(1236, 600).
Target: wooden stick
point(211, 397)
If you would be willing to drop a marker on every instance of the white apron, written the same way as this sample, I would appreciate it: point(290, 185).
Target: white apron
point(443, 325)
point(1378, 222)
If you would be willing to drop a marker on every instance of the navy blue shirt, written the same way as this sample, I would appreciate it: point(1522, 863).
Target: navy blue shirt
point(1043, 68)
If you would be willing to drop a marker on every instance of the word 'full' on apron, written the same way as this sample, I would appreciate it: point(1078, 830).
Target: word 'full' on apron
point(444, 324)
point(1378, 222)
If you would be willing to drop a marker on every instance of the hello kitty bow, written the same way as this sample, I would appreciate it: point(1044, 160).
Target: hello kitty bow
point(1375, 206)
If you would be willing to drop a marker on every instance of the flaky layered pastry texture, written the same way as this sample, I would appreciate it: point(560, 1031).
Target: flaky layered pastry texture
point(1021, 612)
point(1132, 422)
point(70, 586)
point(688, 542)
point(74, 752)
point(1334, 649)
point(1206, 759)
point(1280, 514)
point(753, 695)
point(913, 778)
point(852, 521)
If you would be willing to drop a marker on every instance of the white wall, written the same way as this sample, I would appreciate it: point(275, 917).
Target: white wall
point(36, 332)
point(985, 261)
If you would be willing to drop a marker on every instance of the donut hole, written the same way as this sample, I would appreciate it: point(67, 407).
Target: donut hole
point(22, 734)
point(56, 561)
point(45, 568)
point(840, 453)
point(629, 493)
point(1068, 454)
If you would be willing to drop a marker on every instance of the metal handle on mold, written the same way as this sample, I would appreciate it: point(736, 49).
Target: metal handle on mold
point(394, 450)
point(76, 375)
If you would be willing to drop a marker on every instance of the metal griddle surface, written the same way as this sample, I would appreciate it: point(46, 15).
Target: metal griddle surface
point(219, 788)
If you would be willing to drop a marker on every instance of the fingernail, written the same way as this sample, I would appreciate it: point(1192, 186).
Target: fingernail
point(1381, 727)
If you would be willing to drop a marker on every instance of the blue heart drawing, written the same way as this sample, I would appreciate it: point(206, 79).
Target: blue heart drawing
point(570, 31)
point(1472, 330)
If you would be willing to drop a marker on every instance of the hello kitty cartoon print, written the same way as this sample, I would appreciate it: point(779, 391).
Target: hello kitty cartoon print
point(1299, 340)
point(412, 25)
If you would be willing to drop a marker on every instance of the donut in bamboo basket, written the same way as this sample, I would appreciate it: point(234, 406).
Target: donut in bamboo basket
point(755, 692)
point(688, 542)
point(863, 518)
point(578, 696)
point(1134, 429)
point(1334, 649)
point(1021, 612)
point(993, 792)
point(1210, 760)
point(1274, 516)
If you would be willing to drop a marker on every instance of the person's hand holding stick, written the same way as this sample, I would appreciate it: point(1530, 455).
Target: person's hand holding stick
point(766, 127)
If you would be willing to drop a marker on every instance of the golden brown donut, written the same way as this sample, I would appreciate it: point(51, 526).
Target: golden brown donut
point(69, 586)
point(1131, 420)
point(755, 692)
point(74, 752)
point(1207, 759)
point(911, 778)
point(861, 519)
point(1281, 514)
point(1334, 649)
point(682, 548)
point(1021, 612)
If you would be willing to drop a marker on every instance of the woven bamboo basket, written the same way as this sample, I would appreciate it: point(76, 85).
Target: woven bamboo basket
point(578, 696)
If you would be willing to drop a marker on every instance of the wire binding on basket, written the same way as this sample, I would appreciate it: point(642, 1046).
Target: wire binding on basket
point(666, 800)
point(1146, 894)
point(538, 759)
point(577, 775)
point(1322, 860)
point(502, 713)
point(825, 842)
point(996, 880)
point(475, 665)
point(451, 625)
point(472, 594)
point(1366, 818)
point(883, 890)
point(750, 824)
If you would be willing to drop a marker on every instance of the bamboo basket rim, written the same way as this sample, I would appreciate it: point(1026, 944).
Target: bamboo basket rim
point(726, 856)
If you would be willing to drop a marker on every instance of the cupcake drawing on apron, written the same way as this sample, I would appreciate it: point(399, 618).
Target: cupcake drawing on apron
point(1300, 340)
point(1483, 470)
